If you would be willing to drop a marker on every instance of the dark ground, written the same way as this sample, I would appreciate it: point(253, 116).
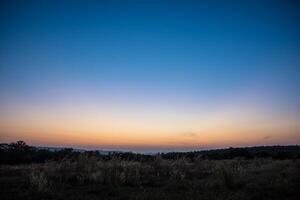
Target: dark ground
point(88, 177)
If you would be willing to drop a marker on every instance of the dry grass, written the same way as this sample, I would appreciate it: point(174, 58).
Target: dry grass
point(88, 177)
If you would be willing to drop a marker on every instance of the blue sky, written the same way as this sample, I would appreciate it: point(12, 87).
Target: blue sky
point(172, 55)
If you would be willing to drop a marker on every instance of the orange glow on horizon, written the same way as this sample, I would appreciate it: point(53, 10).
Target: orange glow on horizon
point(150, 129)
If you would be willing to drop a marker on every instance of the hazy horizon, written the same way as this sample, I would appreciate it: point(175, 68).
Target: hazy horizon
point(150, 75)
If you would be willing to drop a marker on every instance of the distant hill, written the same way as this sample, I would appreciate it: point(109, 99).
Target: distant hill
point(280, 152)
point(20, 152)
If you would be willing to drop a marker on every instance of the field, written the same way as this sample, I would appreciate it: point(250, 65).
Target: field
point(91, 177)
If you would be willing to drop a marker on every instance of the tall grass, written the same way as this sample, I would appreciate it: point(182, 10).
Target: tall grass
point(210, 179)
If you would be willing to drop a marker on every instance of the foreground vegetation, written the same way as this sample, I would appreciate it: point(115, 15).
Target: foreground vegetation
point(90, 176)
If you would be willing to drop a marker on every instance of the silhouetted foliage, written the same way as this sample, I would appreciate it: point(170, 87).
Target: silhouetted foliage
point(19, 152)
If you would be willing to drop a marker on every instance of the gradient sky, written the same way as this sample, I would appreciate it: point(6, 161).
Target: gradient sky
point(150, 75)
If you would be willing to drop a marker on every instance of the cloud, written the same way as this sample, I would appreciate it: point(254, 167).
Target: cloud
point(267, 137)
point(190, 134)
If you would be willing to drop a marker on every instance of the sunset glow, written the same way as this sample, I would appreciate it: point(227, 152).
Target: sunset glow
point(143, 77)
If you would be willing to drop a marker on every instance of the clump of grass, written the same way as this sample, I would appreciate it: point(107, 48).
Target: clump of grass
point(231, 173)
point(180, 169)
point(131, 174)
point(39, 181)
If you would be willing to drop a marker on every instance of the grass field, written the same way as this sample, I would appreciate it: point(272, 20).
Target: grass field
point(88, 177)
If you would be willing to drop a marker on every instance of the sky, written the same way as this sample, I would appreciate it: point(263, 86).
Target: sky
point(150, 75)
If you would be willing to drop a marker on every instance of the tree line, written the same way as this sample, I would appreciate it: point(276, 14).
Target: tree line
point(21, 153)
